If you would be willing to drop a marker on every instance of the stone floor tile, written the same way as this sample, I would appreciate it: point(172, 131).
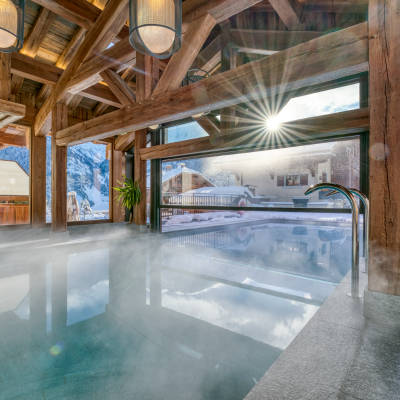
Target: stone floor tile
point(285, 388)
point(368, 383)
point(94, 350)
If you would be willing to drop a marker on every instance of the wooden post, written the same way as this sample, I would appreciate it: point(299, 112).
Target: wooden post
point(146, 81)
point(38, 180)
point(5, 76)
point(58, 171)
point(384, 84)
point(117, 211)
point(228, 62)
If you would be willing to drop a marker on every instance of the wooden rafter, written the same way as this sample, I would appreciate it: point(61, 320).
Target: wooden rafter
point(119, 87)
point(329, 57)
point(181, 61)
point(100, 28)
point(290, 12)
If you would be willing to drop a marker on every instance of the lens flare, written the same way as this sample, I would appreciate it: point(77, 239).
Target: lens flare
point(57, 349)
point(273, 123)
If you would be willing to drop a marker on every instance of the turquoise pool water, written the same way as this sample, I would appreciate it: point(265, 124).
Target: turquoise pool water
point(200, 316)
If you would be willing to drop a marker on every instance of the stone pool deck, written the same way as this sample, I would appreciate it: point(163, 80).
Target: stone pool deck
point(337, 355)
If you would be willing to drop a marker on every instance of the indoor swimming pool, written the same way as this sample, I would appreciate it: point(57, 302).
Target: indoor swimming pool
point(199, 316)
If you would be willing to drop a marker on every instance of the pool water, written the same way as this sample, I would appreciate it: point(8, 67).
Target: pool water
point(199, 316)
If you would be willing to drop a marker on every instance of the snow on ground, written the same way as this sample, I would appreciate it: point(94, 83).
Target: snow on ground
point(190, 221)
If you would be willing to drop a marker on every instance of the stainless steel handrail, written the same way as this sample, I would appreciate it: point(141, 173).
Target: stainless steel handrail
point(355, 273)
point(365, 200)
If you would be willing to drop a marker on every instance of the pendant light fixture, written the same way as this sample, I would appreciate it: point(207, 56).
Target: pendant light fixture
point(11, 25)
point(155, 26)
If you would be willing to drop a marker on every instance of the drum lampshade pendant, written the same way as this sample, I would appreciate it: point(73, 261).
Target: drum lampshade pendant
point(11, 25)
point(155, 26)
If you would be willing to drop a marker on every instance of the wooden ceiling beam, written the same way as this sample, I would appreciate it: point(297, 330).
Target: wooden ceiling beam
point(119, 87)
point(196, 34)
point(220, 10)
point(47, 74)
point(95, 35)
point(208, 58)
point(117, 58)
point(290, 12)
point(347, 122)
point(12, 140)
point(338, 54)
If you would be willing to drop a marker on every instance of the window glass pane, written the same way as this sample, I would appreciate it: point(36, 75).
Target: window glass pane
point(184, 132)
point(265, 179)
point(14, 180)
point(322, 103)
point(88, 174)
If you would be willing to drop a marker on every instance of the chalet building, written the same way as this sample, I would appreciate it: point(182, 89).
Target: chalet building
point(14, 194)
point(284, 174)
point(266, 265)
point(181, 179)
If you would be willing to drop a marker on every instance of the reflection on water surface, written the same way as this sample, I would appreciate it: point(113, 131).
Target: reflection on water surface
point(200, 316)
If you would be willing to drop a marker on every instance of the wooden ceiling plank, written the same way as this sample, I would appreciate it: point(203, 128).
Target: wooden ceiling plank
point(290, 12)
point(119, 87)
point(196, 34)
point(100, 28)
point(338, 54)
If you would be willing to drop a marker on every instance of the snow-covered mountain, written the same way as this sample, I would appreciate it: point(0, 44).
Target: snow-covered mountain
point(87, 170)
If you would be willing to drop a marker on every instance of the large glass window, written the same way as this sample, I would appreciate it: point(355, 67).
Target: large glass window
point(88, 173)
point(265, 179)
point(14, 177)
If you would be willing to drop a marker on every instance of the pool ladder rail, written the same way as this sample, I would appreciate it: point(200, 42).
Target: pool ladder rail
point(365, 201)
point(355, 272)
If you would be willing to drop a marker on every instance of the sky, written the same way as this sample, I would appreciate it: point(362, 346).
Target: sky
point(327, 102)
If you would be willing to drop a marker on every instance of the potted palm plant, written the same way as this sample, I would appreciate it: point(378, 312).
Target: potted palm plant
point(129, 193)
